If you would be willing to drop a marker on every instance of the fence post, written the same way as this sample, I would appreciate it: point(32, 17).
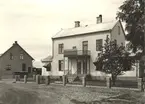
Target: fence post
point(16, 78)
point(34, 77)
point(37, 79)
point(47, 80)
point(25, 78)
point(84, 81)
point(64, 80)
point(140, 84)
point(42, 79)
point(19, 78)
point(108, 82)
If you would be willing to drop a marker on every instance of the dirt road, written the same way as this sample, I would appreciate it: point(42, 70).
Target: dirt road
point(30, 93)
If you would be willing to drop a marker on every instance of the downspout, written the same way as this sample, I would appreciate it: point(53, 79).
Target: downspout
point(110, 31)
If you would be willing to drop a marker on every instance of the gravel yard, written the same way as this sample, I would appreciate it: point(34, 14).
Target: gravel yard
point(30, 93)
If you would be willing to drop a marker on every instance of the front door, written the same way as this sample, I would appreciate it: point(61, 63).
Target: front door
point(84, 66)
point(79, 67)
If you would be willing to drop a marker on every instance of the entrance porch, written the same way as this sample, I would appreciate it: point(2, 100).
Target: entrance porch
point(76, 62)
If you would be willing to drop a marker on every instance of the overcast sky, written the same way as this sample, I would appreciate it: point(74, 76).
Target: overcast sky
point(33, 22)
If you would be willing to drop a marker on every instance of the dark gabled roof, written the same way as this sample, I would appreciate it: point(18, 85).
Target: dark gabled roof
point(101, 27)
point(14, 44)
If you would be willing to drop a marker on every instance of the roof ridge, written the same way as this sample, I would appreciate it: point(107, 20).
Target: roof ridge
point(104, 26)
point(88, 25)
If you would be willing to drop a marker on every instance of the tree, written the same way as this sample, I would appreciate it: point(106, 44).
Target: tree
point(132, 13)
point(113, 59)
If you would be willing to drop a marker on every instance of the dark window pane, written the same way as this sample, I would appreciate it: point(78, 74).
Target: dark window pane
point(99, 44)
point(48, 68)
point(11, 56)
point(85, 47)
point(60, 63)
point(60, 48)
point(23, 67)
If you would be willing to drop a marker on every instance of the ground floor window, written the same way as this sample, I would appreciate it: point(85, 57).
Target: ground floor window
point(8, 67)
point(60, 65)
point(48, 68)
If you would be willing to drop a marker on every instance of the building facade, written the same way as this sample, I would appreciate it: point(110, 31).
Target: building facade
point(15, 59)
point(75, 49)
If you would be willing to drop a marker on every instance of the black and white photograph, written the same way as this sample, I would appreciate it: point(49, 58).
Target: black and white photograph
point(72, 51)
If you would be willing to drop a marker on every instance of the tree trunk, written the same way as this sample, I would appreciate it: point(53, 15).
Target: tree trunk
point(113, 80)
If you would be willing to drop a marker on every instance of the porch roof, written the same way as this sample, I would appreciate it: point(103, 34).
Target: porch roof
point(47, 65)
point(47, 59)
point(76, 53)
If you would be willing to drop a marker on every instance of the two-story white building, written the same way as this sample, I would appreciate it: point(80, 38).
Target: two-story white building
point(75, 49)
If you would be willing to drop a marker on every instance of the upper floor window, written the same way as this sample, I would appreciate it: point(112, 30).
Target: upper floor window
point(60, 48)
point(99, 44)
point(60, 65)
point(11, 56)
point(119, 30)
point(85, 45)
point(21, 56)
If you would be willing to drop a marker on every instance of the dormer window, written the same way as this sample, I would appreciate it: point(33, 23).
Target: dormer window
point(11, 56)
point(21, 56)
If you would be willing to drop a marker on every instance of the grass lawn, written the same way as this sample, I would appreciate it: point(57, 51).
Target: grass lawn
point(31, 93)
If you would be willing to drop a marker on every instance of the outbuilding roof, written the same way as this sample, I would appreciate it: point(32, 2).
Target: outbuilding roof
point(100, 27)
point(47, 59)
point(16, 44)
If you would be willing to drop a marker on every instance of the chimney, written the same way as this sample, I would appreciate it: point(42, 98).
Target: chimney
point(99, 19)
point(77, 23)
point(15, 43)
